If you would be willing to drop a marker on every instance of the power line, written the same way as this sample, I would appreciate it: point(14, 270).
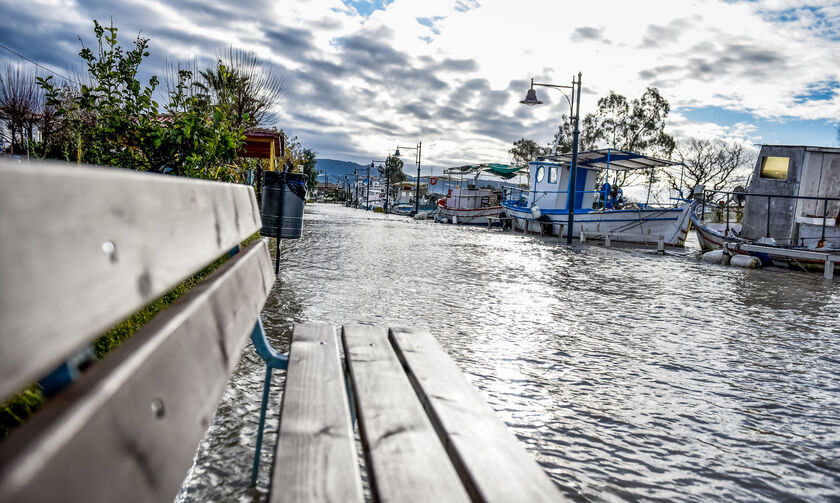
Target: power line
point(36, 63)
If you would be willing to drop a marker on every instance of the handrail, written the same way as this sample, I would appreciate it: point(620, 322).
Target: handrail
point(769, 197)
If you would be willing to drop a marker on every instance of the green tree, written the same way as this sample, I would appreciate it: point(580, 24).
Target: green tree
point(392, 169)
point(297, 159)
point(525, 151)
point(113, 120)
point(634, 126)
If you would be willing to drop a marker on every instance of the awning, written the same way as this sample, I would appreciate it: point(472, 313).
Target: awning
point(608, 158)
point(505, 171)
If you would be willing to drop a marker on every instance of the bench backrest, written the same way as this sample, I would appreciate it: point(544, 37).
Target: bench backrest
point(81, 248)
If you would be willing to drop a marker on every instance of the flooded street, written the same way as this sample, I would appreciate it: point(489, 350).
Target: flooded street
point(628, 375)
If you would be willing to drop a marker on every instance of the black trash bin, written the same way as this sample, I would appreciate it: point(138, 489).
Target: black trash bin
point(283, 195)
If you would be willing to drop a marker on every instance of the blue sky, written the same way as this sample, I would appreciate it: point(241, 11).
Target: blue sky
point(363, 76)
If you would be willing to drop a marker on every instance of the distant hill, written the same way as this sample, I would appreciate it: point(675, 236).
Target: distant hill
point(338, 169)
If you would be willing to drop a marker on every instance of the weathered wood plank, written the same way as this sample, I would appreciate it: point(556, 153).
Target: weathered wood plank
point(127, 430)
point(405, 459)
point(315, 454)
point(491, 462)
point(81, 248)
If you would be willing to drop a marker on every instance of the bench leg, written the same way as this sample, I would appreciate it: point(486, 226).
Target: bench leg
point(266, 388)
point(273, 360)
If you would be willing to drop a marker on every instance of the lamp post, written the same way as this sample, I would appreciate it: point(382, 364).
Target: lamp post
point(367, 188)
point(574, 110)
point(417, 181)
point(356, 187)
point(347, 192)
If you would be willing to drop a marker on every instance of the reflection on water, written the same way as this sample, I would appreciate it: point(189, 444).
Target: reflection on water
point(627, 374)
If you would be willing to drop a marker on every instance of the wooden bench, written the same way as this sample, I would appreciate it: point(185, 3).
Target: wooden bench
point(426, 435)
point(80, 250)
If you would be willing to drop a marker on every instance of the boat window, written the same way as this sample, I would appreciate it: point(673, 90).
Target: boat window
point(775, 168)
point(552, 174)
point(540, 173)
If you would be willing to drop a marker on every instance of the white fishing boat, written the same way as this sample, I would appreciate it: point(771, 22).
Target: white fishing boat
point(791, 210)
point(469, 204)
point(370, 193)
point(599, 213)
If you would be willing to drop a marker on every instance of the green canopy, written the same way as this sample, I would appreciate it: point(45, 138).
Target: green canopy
point(505, 171)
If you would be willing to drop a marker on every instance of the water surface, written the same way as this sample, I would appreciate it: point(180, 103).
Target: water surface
point(628, 375)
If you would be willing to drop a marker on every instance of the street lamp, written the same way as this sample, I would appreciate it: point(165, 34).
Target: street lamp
point(417, 182)
point(574, 110)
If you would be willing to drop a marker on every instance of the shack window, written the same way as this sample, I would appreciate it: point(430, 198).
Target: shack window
point(775, 168)
point(540, 173)
point(552, 174)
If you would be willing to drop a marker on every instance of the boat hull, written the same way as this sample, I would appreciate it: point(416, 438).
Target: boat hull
point(631, 226)
point(473, 216)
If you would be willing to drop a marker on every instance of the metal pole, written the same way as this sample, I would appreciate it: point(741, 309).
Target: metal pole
point(367, 192)
point(727, 214)
point(388, 182)
point(255, 470)
point(417, 182)
point(279, 223)
point(573, 170)
point(825, 213)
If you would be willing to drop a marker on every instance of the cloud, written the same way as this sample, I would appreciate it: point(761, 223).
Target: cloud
point(363, 75)
point(587, 33)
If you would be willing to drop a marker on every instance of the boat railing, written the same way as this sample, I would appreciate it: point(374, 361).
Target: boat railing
point(740, 197)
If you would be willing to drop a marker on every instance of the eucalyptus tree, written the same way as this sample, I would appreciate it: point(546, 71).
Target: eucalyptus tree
point(392, 169)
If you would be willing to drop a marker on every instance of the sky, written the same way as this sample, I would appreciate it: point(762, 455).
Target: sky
point(365, 76)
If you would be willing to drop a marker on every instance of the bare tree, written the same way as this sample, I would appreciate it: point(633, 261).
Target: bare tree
point(21, 101)
point(717, 164)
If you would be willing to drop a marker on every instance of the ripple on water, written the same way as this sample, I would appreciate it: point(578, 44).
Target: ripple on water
point(628, 375)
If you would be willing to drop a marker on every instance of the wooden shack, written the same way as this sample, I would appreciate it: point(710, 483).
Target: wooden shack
point(777, 205)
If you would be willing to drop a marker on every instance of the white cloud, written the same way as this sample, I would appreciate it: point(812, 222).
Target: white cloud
point(359, 85)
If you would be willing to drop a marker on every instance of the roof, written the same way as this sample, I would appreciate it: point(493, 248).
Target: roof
point(258, 143)
point(609, 158)
point(501, 170)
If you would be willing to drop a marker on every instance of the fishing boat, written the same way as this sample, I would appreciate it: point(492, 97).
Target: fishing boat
point(600, 212)
point(370, 193)
point(790, 211)
point(469, 204)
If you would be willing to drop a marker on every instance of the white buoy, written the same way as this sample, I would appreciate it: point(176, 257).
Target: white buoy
point(714, 256)
point(745, 261)
point(536, 212)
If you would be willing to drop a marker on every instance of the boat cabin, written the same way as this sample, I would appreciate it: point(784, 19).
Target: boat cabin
point(789, 198)
point(550, 178)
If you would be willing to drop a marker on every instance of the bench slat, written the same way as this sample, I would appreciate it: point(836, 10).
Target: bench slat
point(127, 430)
point(315, 457)
point(84, 247)
point(405, 458)
point(490, 460)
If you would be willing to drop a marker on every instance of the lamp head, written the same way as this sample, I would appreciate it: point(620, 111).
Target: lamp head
point(397, 153)
point(531, 98)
